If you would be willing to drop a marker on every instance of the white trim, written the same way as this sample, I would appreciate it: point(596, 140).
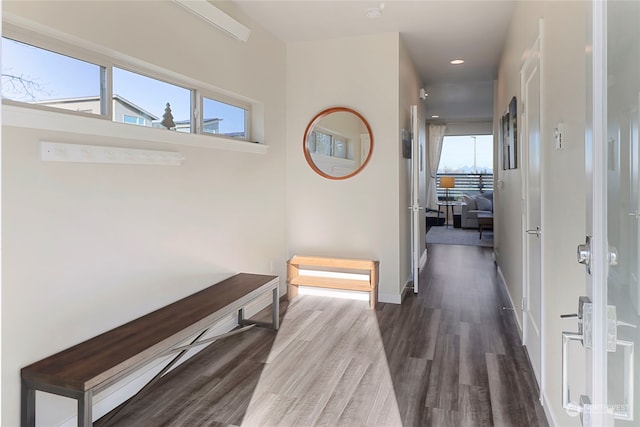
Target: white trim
point(535, 56)
point(548, 410)
point(214, 16)
point(24, 117)
point(503, 282)
point(543, 183)
point(596, 214)
point(391, 298)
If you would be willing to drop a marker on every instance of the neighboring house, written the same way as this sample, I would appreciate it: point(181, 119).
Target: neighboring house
point(208, 126)
point(123, 110)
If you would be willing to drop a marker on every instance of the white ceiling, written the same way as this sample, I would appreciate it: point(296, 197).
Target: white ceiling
point(434, 32)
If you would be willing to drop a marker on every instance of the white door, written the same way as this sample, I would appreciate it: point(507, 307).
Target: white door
point(532, 217)
point(416, 209)
point(609, 333)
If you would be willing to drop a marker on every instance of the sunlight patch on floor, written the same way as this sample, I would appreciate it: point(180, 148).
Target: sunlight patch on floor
point(327, 366)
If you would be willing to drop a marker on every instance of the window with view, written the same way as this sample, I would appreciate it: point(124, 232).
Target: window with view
point(39, 76)
point(145, 97)
point(34, 75)
point(469, 159)
point(224, 119)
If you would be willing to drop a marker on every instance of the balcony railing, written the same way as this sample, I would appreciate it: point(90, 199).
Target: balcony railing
point(466, 183)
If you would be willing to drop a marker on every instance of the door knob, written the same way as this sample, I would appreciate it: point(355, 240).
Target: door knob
point(613, 256)
point(584, 253)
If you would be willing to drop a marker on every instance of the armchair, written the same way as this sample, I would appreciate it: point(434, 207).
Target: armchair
point(471, 205)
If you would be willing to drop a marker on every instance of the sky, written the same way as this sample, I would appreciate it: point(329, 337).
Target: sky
point(458, 152)
point(50, 76)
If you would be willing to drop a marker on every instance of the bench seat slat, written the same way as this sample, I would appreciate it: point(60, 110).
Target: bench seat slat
point(332, 282)
point(342, 263)
point(86, 365)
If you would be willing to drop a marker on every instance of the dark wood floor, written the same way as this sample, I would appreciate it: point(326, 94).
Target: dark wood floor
point(449, 356)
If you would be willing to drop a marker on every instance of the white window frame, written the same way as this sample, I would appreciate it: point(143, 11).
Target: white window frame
point(226, 100)
point(56, 41)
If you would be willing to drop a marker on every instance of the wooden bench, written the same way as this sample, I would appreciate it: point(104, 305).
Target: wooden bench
point(297, 263)
point(89, 367)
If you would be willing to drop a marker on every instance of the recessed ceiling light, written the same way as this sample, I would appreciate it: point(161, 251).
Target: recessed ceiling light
point(435, 116)
point(457, 61)
point(374, 12)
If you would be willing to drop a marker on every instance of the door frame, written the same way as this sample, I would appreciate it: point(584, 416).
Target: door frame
point(536, 47)
point(596, 215)
point(415, 208)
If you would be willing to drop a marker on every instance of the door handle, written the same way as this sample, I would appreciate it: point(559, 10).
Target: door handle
point(537, 231)
point(565, 316)
point(567, 404)
point(625, 410)
point(583, 336)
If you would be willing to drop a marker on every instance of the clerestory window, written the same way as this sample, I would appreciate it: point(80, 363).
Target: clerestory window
point(35, 76)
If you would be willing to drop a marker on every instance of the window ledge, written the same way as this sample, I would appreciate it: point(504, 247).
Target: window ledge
point(25, 117)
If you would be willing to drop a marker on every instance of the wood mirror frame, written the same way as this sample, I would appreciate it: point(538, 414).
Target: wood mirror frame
point(338, 143)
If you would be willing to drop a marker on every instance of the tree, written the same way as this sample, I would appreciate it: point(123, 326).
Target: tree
point(167, 118)
point(21, 86)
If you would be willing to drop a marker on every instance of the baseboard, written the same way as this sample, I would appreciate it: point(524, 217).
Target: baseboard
point(408, 284)
point(391, 298)
point(548, 411)
point(503, 282)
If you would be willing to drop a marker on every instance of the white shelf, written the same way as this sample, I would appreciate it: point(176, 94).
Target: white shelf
point(80, 153)
point(34, 118)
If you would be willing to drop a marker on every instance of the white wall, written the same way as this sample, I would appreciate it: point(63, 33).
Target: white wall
point(88, 247)
point(563, 100)
point(357, 217)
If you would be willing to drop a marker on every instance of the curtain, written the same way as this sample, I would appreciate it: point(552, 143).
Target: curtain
point(436, 136)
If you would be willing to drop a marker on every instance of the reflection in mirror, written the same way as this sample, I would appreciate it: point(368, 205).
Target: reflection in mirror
point(338, 143)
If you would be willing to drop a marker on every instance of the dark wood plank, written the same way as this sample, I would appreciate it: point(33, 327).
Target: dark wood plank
point(478, 372)
point(87, 364)
point(453, 356)
point(215, 386)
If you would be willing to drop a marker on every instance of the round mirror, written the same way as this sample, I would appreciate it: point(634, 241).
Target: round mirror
point(338, 143)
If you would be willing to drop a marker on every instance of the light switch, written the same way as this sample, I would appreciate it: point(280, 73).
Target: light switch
point(559, 135)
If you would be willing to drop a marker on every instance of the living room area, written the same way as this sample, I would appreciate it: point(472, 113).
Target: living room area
point(461, 209)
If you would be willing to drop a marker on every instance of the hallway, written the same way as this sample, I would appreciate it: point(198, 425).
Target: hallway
point(454, 353)
point(453, 358)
